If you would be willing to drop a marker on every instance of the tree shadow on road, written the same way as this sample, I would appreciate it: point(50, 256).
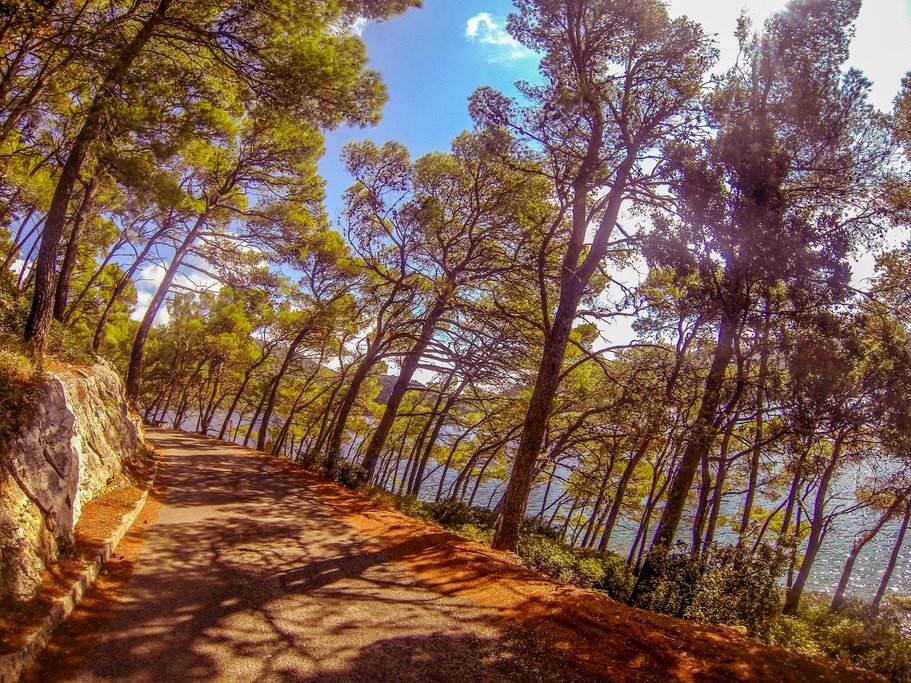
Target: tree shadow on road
point(246, 577)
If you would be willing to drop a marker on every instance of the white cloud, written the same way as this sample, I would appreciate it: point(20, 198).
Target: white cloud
point(150, 277)
point(143, 299)
point(484, 29)
point(358, 26)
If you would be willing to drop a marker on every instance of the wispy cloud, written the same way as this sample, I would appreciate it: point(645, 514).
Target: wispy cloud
point(484, 29)
point(358, 26)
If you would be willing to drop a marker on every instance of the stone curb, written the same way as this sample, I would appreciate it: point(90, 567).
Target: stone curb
point(14, 665)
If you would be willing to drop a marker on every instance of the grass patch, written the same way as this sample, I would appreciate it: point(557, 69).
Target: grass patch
point(19, 381)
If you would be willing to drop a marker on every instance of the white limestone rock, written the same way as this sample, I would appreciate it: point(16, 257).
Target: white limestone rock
point(78, 438)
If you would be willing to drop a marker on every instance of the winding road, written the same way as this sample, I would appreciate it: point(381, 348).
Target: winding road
point(241, 572)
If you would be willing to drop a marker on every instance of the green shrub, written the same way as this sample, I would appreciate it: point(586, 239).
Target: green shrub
point(312, 461)
point(853, 635)
point(455, 513)
point(349, 474)
point(618, 580)
point(413, 507)
point(584, 568)
point(18, 383)
point(726, 585)
point(14, 306)
point(65, 344)
point(738, 587)
point(535, 526)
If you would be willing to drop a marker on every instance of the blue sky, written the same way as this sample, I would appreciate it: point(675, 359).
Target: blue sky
point(430, 68)
point(431, 65)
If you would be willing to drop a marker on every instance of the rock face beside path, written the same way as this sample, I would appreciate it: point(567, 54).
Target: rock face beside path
point(76, 443)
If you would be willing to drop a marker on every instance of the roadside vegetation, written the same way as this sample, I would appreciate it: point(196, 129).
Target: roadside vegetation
point(451, 335)
point(727, 586)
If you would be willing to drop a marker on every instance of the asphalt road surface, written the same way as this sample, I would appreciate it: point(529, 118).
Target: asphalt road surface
point(244, 576)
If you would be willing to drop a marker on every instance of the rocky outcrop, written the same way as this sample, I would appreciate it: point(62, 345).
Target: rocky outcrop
point(77, 441)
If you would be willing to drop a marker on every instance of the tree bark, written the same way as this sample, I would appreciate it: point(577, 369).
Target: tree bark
point(265, 353)
point(62, 292)
point(409, 366)
point(276, 384)
point(134, 371)
point(536, 418)
point(702, 435)
point(838, 599)
point(814, 542)
point(39, 318)
point(122, 283)
point(756, 453)
point(334, 449)
point(893, 559)
point(418, 478)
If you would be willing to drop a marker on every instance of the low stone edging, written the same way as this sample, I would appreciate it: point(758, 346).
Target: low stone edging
point(15, 664)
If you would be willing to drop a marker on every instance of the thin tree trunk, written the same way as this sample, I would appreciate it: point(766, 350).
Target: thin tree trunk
point(617, 502)
point(817, 523)
point(334, 449)
point(134, 371)
point(62, 292)
point(536, 418)
point(418, 477)
point(705, 486)
point(702, 435)
point(265, 353)
point(73, 306)
point(838, 599)
point(19, 240)
point(122, 283)
point(409, 366)
point(259, 409)
point(793, 491)
point(753, 484)
point(39, 318)
point(893, 559)
point(718, 489)
point(276, 384)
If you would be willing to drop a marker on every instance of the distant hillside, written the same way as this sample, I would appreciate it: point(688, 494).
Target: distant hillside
point(386, 384)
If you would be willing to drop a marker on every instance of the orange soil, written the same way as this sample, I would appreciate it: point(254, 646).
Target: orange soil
point(605, 638)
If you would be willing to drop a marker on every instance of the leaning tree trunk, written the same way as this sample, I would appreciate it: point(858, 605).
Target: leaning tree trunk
point(73, 306)
point(39, 318)
point(536, 418)
point(418, 477)
point(893, 559)
point(276, 384)
point(122, 284)
point(334, 448)
point(756, 452)
point(702, 435)
point(62, 292)
point(134, 371)
point(838, 600)
point(817, 523)
point(265, 353)
point(409, 366)
point(617, 503)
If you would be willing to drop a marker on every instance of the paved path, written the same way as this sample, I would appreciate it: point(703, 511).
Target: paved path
point(243, 576)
